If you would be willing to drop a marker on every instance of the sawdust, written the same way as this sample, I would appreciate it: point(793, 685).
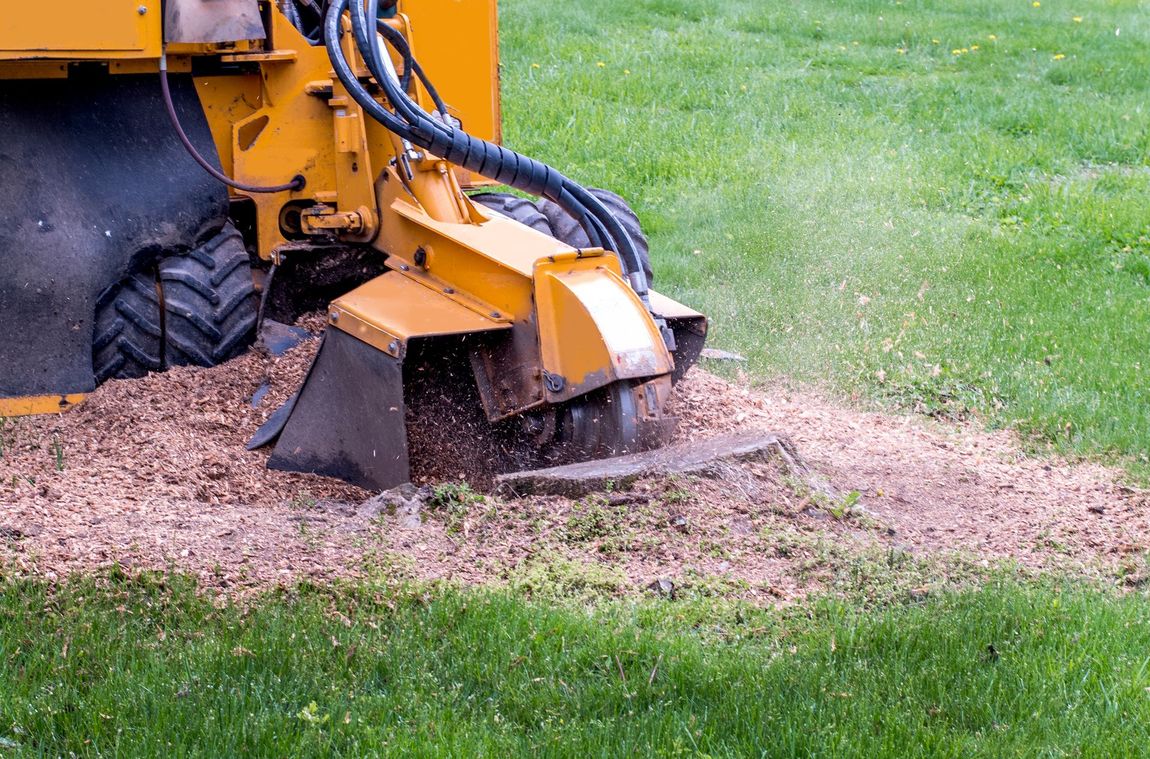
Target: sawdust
point(153, 473)
point(941, 486)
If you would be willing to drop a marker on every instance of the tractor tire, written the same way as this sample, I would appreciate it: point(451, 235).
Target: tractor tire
point(199, 309)
point(128, 339)
point(210, 302)
point(566, 229)
point(514, 207)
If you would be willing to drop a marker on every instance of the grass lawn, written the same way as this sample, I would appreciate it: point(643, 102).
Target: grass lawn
point(145, 667)
point(940, 205)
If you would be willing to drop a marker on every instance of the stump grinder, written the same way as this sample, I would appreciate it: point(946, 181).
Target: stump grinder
point(178, 171)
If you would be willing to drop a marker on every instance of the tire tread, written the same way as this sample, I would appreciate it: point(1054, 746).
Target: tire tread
point(209, 312)
point(567, 229)
point(522, 210)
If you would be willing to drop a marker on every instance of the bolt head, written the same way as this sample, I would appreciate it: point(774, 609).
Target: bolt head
point(334, 316)
point(142, 10)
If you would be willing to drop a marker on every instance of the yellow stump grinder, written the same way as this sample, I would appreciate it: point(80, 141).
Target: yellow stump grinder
point(176, 171)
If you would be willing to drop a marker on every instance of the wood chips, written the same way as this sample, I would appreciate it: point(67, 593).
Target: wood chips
point(152, 473)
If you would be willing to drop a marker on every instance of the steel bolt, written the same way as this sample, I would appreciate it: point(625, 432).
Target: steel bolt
point(334, 316)
point(393, 347)
point(142, 10)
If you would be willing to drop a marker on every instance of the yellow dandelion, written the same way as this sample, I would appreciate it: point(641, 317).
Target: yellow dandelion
point(626, 71)
point(974, 47)
point(534, 65)
point(1036, 4)
point(600, 64)
point(1077, 19)
point(934, 40)
point(855, 44)
point(901, 50)
point(956, 51)
point(743, 87)
point(992, 37)
point(1059, 56)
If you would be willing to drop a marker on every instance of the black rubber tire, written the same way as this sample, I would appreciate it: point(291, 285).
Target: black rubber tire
point(210, 302)
point(209, 314)
point(566, 229)
point(520, 209)
point(128, 339)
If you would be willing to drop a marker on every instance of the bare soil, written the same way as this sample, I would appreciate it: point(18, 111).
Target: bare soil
point(153, 474)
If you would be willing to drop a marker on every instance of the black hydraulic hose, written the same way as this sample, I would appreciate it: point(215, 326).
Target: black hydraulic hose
point(364, 32)
point(288, 8)
point(441, 138)
point(297, 182)
point(411, 66)
point(596, 235)
point(312, 29)
point(347, 77)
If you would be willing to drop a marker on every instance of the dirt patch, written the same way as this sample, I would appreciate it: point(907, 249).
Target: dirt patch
point(152, 473)
point(945, 486)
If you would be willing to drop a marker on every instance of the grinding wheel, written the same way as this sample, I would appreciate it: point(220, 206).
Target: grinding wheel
point(619, 419)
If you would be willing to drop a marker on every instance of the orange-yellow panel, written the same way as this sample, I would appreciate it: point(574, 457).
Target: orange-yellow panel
point(29, 405)
point(387, 311)
point(457, 43)
point(670, 309)
point(81, 29)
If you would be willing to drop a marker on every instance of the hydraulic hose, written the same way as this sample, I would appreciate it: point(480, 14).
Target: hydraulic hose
point(443, 139)
point(411, 66)
point(297, 182)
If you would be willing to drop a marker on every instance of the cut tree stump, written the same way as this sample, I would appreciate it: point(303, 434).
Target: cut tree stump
point(701, 457)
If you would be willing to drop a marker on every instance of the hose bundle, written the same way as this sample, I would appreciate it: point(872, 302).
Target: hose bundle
point(442, 138)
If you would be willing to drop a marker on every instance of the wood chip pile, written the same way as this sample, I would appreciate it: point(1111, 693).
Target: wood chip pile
point(152, 473)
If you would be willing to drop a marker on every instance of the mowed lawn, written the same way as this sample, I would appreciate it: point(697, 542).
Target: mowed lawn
point(943, 206)
point(146, 668)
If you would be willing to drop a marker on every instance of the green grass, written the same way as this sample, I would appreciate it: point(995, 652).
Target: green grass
point(145, 667)
point(860, 204)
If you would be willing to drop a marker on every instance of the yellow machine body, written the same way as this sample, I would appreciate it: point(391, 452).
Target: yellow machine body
point(108, 30)
point(559, 322)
